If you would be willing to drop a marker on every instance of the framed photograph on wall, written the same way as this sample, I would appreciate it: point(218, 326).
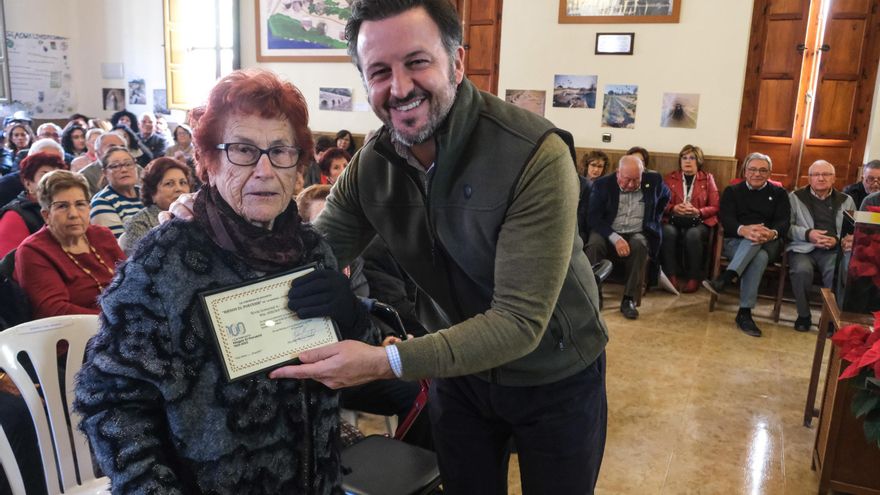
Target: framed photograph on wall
point(615, 43)
point(618, 11)
point(301, 31)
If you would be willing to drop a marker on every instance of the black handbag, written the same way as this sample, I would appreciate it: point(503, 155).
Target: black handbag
point(684, 221)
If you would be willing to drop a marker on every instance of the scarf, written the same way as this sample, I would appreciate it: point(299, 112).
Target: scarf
point(283, 247)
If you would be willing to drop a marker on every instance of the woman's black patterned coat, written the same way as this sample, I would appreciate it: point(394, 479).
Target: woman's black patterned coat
point(156, 406)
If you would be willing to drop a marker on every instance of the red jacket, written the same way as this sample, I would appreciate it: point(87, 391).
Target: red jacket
point(704, 196)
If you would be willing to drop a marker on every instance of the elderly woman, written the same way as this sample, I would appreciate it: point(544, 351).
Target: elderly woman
point(120, 199)
point(21, 217)
point(593, 165)
point(691, 212)
point(65, 265)
point(165, 179)
point(182, 149)
point(155, 404)
point(332, 163)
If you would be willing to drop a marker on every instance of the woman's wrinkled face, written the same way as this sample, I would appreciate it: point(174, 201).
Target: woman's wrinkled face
point(688, 163)
point(172, 185)
point(258, 192)
point(78, 138)
point(120, 170)
point(20, 138)
point(68, 215)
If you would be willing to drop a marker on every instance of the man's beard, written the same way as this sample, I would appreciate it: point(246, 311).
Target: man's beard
point(441, 104)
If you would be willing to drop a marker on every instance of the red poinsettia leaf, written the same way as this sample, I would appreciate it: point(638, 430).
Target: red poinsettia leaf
point(870, 357)
point(851, 371)
point(877, 320)
point(872, 339)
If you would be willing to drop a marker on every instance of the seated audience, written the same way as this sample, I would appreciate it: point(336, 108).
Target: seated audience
point(162, 129)
point(21, 217)
point(625, 211)
point(73, 140)
point(691, 212)
point(136, 147)
point(643, 154)
point(91, 154)
point(165, 179)
point(64, 266)
point(10, 184)
point(754, 214)
point(593, 165)
point(154, 141)
point(332, 163)
point(869, 184)
point(815, 234)
point(345, 141)
point(19, 136)
point(120, 199)
point(49, 130)
point(94, 172)
point(312, 174)
point(125, 118)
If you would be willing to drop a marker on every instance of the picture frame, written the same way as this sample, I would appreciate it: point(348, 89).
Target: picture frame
point(615, 43)
point(292, 32)
point(618, 11)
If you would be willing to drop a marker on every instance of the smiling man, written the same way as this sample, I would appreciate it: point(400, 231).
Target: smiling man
point(477, 201)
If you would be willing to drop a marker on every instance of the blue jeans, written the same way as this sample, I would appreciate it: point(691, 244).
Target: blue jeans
point(749, 261)
point(558, 428)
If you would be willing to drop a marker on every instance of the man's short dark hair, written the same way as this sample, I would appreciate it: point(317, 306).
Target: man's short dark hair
point(442, 12)
point(873, 164)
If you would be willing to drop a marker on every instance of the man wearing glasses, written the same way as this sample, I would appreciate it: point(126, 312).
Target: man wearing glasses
point(816, 235)
point(869, 184)
point(754, 214)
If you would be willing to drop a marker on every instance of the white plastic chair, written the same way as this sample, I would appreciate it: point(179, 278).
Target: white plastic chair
point(10, 466)
point(59, 442)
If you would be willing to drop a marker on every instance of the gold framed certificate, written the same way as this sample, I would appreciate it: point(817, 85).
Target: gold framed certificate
point(255, 330)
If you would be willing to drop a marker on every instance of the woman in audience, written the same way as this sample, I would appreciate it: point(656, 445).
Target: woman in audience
point(125, 118)
point(19, 137)
point(21, 217)
point(165, 179)
point(91, 154)
point(120, 199)
point(73, 140)
point(182, 149)
point(345, 141)
point(691, 212)
point(155, 403)
point(332, 164)
point(65, 265)
point(593, 165)
point(642, 153)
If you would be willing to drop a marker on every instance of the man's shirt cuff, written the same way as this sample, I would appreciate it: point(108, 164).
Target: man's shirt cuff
point(394, 360)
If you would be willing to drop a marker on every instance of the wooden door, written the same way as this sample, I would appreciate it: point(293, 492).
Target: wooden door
point(844, 89)
point(773, 96)
point(481, 23)
point(809, 85)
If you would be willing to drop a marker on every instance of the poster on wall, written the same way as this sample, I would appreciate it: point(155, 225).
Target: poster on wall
point(574, 91)
point(113, 98)
point(337, 99)
point(40, 75)
point(137, 92)
point(302, 30)
point(618, 11)
point(619, 106)
point(160, 102)
point(680, 110)
point(529, 99)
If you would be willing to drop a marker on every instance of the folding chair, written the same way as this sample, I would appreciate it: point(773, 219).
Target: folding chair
point(64, 450)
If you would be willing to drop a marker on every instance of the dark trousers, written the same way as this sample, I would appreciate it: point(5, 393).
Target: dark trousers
point(558, 429)
point(16, 421)
point(682, 251)
point(599, 248)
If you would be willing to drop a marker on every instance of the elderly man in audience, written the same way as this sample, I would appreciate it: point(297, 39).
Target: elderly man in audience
point(754, 214)
point(150, 136)
point(816, 235)
point(120, 200)
point(94, 172)
point(625, 212)
point(11, 185)
point(49, 131)
point(869, 184)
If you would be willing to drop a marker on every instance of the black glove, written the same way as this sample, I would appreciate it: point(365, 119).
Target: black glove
point(327, 293)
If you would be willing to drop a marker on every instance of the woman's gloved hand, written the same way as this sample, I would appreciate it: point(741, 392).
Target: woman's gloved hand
point(327, 293)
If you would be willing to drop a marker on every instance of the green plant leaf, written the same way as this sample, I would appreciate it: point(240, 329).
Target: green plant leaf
point(865, 402)
point(872, 432)
point(874, 381)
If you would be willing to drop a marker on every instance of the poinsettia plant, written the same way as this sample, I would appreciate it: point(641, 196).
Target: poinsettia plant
point(861, 347)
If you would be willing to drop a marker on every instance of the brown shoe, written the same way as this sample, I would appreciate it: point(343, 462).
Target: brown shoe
point(691, 286)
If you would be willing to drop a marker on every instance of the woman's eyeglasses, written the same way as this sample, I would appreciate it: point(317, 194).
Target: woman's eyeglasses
point(245, 155)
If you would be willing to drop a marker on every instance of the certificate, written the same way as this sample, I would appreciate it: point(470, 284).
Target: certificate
point(256, 331)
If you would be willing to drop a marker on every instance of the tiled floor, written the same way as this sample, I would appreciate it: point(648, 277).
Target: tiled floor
point(696, 406)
